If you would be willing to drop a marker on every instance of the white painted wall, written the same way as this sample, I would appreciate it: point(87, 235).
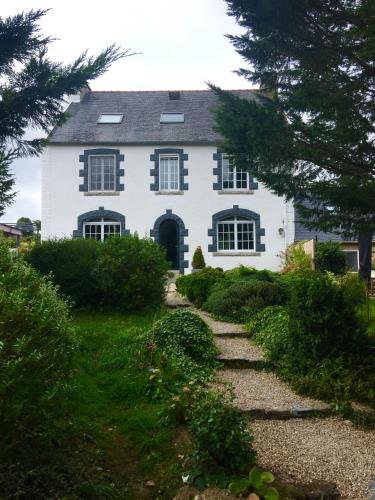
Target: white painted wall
point(62, 202)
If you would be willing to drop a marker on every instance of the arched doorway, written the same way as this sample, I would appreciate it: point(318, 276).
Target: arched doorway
point(170, 232)
point(168, 238)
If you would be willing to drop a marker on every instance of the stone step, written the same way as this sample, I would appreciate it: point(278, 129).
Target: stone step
point(241, 363)
point(231, 335)
point(263, 395)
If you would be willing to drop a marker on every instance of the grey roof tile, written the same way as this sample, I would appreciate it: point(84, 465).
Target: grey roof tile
point(141, 123)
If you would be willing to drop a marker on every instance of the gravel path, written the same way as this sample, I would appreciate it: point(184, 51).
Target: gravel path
point(263, 390)
point(219, 327)
point(330, 449)
point(231, 348)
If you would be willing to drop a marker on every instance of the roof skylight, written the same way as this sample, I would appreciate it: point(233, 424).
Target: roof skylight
point(110, 118)
point(172, 118)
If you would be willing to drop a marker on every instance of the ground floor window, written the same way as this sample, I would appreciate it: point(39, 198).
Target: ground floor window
point(352, 260)
point(101, 228)
point(235, 233)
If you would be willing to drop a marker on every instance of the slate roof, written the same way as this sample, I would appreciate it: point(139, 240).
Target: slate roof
point(141, 122)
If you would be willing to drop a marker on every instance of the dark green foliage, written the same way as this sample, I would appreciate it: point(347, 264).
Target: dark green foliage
point(131, 273)
point(37, 342)
point(270, 329)
point(120, 273)
point(242, 299)
point(222, 441)
point(198, 259)
point(72, 263)
point(196, 286)
point(309, 133)
point(243, 273)
point(187, 331)
point(317, 342)
point(33, 88)
point(330, 257)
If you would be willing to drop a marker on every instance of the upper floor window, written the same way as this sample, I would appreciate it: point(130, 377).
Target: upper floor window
point(234, 177)
point(169, 172)
point(234, 233)
point(101, 228)
point(101, 173)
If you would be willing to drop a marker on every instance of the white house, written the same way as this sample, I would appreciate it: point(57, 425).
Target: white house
point(148, 162)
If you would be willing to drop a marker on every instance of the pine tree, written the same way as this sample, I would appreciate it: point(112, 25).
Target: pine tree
point(32, 89)
point(309, 132)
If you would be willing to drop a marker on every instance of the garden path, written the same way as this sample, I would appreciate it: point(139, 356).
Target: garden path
point(294, 436)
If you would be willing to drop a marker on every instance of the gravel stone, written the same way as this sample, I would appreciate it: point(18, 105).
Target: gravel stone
point(330, 449)
point(220, 327)
point(263, 390)
point(234, 348)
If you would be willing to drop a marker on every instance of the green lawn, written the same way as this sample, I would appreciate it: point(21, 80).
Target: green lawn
point(117, 414)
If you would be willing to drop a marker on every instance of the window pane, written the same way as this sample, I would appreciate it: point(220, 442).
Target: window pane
point(228, 174)
point(111, 230)
point(241, 179)
point(245, 236)
point(102, 173)
point(169, 173)
point(351, 259)
point(93, 231)
point(225, 236)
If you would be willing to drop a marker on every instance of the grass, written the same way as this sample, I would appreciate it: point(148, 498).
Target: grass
point(117, 414)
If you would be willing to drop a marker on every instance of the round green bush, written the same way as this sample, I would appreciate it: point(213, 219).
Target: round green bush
point(330, 257)
point(197, 286)
point(37, 342)
point(242, 299)
point(186, 333)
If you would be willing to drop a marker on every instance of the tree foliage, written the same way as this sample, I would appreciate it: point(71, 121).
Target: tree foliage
point(33, 87)
point(308, 133)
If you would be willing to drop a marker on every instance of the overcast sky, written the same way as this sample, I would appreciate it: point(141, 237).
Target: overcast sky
point(182, 45)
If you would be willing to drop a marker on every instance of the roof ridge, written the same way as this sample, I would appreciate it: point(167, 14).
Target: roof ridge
point(162, 90)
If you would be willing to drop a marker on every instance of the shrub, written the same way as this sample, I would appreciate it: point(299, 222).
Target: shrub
point(270, 329)
point(186, 333)
point(295, 258)
point(131, 273)
point(330, 257)
point(120, 273)
point(37, 341)
point(71, 262)
point(243, 273)
point(196, 286)
point(222, 442)
point(322, 323)
point(242, 299)
point(198, 259)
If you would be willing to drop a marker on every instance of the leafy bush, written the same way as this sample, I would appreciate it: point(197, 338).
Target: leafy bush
point(322, 323)
point(295, 258)
point(185, 333)
point(257, 482)
point(270, 329)
point(330, 257)
point(222, 442)
point(242, 299)
point(37, 341)
point(244, 273)
point(198, 259)
point(120, 273)
point(131, 273)
point(71, 262)
point(196, 286)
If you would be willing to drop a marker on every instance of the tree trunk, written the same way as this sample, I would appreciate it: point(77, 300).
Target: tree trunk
point(365, 254)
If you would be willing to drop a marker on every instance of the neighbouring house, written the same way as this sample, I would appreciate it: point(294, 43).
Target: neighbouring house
point(149, 162)
point(11, 231)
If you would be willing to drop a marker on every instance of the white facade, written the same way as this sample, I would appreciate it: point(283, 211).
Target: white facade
point(63, 202)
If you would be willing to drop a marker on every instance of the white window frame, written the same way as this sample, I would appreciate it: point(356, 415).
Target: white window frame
point(102, 223)
point(347, 250)
point(169, 189)
point(236, 220)
point(234, 188)
point(105, 118)
point(102, 175)
point(175, 117)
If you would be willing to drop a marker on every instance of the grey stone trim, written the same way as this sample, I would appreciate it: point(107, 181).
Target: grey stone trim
point(182, 233)
point(155, 171)
point(218, 172)
point(84, 172)
point(237, 212)
point(87, 216)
